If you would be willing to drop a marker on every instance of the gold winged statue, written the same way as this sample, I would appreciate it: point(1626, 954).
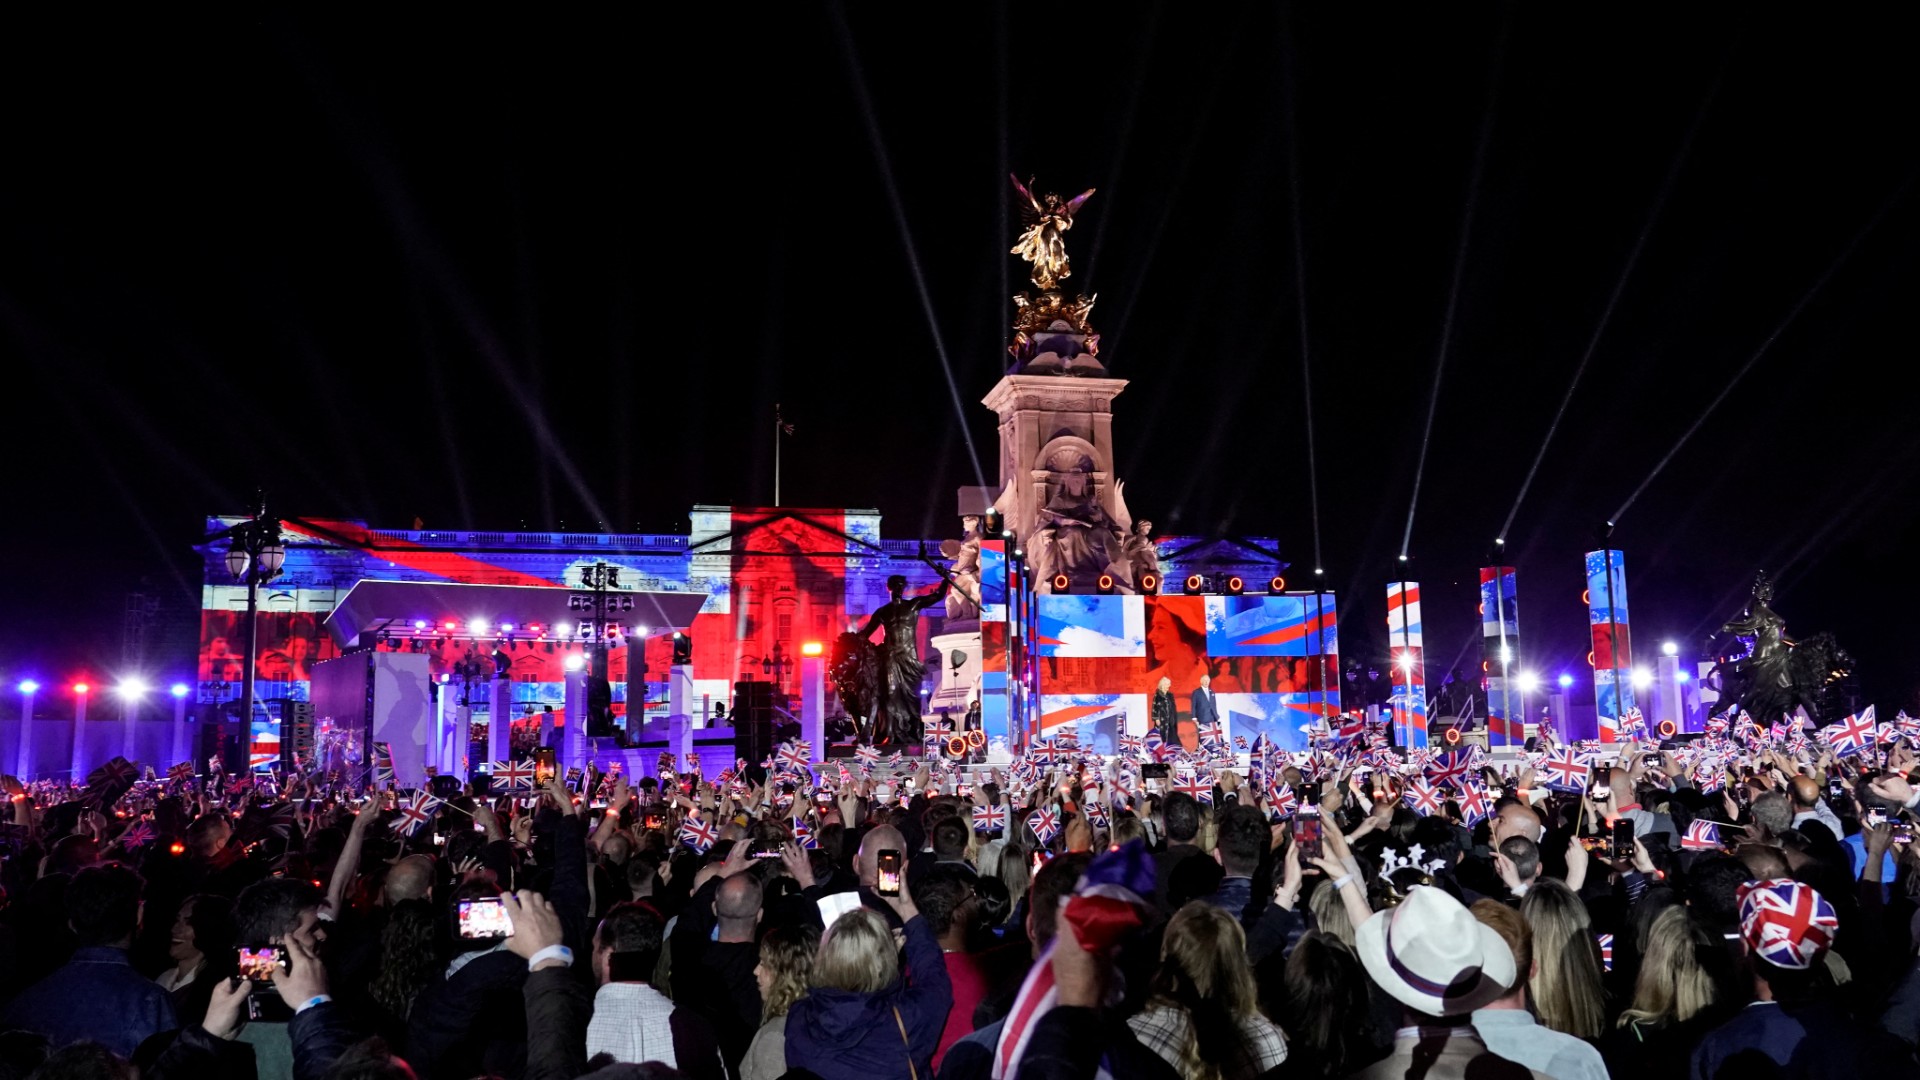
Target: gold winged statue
point(1046, 218)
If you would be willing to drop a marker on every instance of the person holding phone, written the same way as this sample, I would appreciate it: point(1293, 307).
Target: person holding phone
point(866, 1016)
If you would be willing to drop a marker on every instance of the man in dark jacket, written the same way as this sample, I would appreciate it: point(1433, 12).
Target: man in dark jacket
point(715, 977)
point(1181, 812)
point(97, 995)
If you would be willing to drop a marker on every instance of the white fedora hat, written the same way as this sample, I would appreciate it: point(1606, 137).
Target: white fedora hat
point(1433, 956)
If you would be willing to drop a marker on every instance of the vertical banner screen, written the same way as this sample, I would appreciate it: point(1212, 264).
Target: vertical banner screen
point(1612, 645)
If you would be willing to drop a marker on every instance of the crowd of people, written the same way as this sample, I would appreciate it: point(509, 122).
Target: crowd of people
point(1062, 922)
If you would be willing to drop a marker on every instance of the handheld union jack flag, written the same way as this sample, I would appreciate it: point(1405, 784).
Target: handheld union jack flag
point(513, 775)
point(137, 837)
point(1189, 784)
point(1605, 942)
point(867, 755)
point(1851, 736)
point(1452, 767)
point(1702, 835)
point(415, 814)
point(1424, 798)
point(803, 834)
point(791, 755)
point(1045, 751)
point(1131, 746)
point(1282, 802)
point(1045, 824)
point(382, 764)
point(987, 819)
point(698, 834)
point(1633, 725)
point(1563, 770)
point(181, 772)
point(1475, 806)
point(1096, 810)
point(1718, 726)
point(1211, 734)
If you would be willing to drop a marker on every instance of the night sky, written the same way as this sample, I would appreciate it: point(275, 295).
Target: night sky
point(496, 270)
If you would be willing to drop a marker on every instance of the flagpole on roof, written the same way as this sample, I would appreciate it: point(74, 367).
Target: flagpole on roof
point(780, 427)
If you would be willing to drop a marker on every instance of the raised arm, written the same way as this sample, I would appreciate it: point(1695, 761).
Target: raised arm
point(348, 864)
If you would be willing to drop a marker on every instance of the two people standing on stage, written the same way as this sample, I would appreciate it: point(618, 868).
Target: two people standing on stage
point(1164, 716)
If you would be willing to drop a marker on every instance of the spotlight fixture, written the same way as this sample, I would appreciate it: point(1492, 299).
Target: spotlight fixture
point(1670, 648)
point(1195, 583)
point(1234, 585)
point(181, 689)
point(28, 686)
point(1150, 583)
point(1106, 584)
point(1060, 583)
point(574, 662)
point(1529, 682)
point(1453, 736)
point(1668, 729)
point(1277, 585)
point(1566, 681)
point(812, 648)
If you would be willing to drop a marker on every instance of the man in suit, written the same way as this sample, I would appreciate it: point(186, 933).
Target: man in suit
point(1206, 710)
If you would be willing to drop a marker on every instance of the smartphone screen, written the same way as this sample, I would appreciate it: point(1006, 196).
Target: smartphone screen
point(1623, 839)
point(763, 850)
point(655, 821)
point(1306, 834)
point(1876, 816)
point(887, 876)
point(545, 765)
point(256, 965)
point(1903, 833)
point(484, 918)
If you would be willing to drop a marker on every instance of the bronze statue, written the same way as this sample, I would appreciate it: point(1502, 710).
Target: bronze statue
point(1046, 218)
point(1778, 674)
point(1141, 553)
point(895, 711)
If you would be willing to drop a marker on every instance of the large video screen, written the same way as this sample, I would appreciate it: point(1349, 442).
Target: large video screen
point(1272, 661)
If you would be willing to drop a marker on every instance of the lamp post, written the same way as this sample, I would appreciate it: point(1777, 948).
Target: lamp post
point(255, 556)
point(775, 666)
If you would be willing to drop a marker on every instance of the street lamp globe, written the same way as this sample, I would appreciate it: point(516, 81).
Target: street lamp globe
point(238, 560)
point(28, 686)
point(272, 557)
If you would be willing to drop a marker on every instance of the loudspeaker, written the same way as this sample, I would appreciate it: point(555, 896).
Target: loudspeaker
point(753, 721)
point(299, 730)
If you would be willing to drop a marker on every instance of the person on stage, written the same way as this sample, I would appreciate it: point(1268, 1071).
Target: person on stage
point(1205, 709)
point(1163, 717)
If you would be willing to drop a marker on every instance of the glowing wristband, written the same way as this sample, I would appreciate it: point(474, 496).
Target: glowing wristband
point(317, 999)
point(551, 952)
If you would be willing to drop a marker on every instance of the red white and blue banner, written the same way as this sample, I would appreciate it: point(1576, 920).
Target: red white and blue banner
point(1612, 655)
point(1500, 653)
point(1405, 644)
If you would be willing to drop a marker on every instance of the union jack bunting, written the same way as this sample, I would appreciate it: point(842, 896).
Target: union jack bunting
point(1425, 799)
point(988, 819)
point(1788, 924)
point(1044, 823)
point(697, 834)
point(513, 775)
point(1702, 835)
point(415, 814)
point(803, 834)
point(1851, 736)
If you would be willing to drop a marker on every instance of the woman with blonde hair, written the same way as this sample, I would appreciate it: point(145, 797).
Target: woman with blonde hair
point(1675, 1002)
point(786, 964)
point(1203, 1017)
point(865, 1018)
point(1566, 990)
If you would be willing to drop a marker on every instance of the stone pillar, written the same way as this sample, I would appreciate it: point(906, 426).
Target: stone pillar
point(813, 703)
point(79, 764)
point(500, 720)
point(1053, 427)
point(181, 750)
point(23, 755)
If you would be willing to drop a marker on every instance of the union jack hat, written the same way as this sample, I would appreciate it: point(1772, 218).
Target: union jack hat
point(1786, 923)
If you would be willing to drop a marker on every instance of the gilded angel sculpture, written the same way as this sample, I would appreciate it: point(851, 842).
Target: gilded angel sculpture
point(1046, 218)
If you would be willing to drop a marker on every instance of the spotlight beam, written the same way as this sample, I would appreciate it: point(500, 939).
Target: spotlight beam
point(1287, 92)
point(1459, 270)
point(1619, 287)
point(857, 76)
point(1766, 345)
